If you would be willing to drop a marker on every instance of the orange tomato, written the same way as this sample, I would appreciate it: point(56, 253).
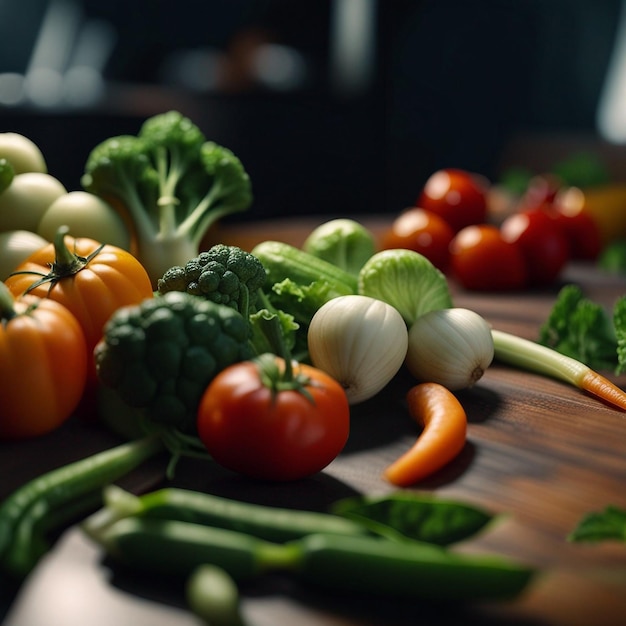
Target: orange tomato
point(90, 279)
point(43, 365)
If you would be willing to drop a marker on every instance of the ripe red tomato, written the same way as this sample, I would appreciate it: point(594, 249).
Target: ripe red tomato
point(542, 241)
point(273, 434)
point(422, 231)
point(43, 365)
point(581, 230)
point(459, 197)
point(541, 190)
point(481, 260)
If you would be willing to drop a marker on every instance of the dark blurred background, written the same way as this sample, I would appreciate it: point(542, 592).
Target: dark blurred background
point(335, 107)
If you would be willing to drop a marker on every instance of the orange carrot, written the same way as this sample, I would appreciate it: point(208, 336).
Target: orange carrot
point(444, 422)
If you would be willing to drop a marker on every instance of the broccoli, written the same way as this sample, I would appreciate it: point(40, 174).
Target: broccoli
point(171, 183)
point(223, 274)
point(160, 355)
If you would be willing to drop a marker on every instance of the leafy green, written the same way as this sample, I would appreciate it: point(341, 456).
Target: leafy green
point(407, 281)
point(584, 330)
point(613, 258)
point(606, 525)
point(408, 515)
point(583, 169)
point(343, 242)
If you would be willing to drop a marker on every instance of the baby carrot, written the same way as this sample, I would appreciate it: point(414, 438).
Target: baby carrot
point(444, 422)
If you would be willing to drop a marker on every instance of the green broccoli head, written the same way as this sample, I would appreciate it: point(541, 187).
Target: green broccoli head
point(119, 171)
point(231, 183)
point(173, 184)
point(223, 274)
point(174, 132)
point(159, 356)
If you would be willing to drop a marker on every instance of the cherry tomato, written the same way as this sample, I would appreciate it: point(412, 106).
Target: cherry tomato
point(273, 434)
point(542, 241)
point(422, 231)
point(541, 190)
point(581, 230)
point(482, 260)
point(459, 197)
point(43, 365)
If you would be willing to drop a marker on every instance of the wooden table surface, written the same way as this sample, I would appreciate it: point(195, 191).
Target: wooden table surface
point(539, 452)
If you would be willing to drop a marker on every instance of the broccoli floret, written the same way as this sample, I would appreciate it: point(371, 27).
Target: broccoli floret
point(160, 355)
point(171, 183)
point(223, 274)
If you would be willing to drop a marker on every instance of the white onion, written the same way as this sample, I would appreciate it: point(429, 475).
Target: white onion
point(360, 341)
point(452, 347)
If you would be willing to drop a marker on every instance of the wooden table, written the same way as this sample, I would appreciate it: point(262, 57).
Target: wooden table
point(539, 452)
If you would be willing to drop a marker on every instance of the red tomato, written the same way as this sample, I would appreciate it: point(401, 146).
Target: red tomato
point(541, 190)
point(422, 231)
point(43, 365)
point(482, 260)
point(581, 230)
point(270, 434)
point(542, 241)
point(459, 197)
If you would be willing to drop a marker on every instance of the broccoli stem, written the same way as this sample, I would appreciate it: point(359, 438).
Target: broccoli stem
point(200, 219)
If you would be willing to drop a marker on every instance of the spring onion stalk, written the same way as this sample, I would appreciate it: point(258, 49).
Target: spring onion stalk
point(537, 358)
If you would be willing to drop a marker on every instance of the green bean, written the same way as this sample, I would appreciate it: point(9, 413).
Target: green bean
point(213, 596)
point(266, 522)
point(24, 511)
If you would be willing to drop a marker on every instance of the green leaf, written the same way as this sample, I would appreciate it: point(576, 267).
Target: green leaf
point(606, 525)
point(619, 322)
point(581, 329)
point(411, 516)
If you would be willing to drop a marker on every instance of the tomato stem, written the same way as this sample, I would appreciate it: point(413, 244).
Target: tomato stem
point(66, 263)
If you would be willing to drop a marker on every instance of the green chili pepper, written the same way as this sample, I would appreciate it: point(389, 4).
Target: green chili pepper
point(266, 522)
point(41, 503)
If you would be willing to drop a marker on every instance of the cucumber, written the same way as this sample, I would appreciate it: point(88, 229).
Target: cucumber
point(282, 261)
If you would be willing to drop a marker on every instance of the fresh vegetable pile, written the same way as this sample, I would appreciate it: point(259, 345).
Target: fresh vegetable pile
point(253, 360)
